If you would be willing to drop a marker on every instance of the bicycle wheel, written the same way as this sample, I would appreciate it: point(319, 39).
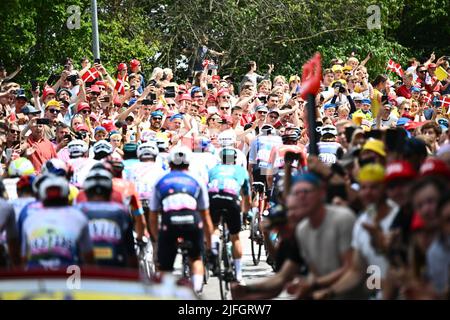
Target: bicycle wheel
point(226, 269)
point(256, 237)
point(206, 270)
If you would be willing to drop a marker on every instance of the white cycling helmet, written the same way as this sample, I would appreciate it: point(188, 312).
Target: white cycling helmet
point(227, 138)
point(102, 146)
point(180, 155)
point(55, 166)
point(328, 129)
point(54, 187)
point(20, 167)
point(147, 150)
point(98, 178)
point(162, 143)
point(77, 148)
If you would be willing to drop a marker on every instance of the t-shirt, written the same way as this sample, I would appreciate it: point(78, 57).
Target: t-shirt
point(111, 231)
point(53, 237)
point(361, 240)
point(43, 151)
point(322, 247)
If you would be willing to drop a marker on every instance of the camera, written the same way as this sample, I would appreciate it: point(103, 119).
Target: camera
point(170, 92)
point(341, 89)
point(210, 86)
point(67, 137)
point(73, 79)
point(44, 121)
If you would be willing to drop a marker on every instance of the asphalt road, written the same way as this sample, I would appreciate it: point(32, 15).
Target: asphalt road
point(251, 273)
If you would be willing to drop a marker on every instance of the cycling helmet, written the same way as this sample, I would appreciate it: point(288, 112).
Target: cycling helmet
point(162, 143)
point(203, 144)
point(38, 181)
point(98, 179)
point(228, 155)
point(102, 146)
point(147, 150)
point(56, 167)
point(54, 188)
point(267, 129)
point(180, 155)
point(329, 129)
point(77, 148)
point(227, 138)
point(290, 137)
point(25, 182)
point(20, 167)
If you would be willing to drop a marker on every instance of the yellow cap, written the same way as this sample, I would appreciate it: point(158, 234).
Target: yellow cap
point(336, 67)
point(372, 172)
point(294, 78)
point(53, 103)
point(347, 68)
point(374, 145)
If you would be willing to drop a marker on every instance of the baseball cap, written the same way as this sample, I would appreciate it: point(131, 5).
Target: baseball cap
point(275, 110)
point(308, 177)
point(402, 121)
point(399, 170)
point(83, 106)
point(176, 116)
point(261, 107)
point(134, 63)
point(329, 105)
point(65, 90)
point(29, 109)
point(185, 96)
point(415, 89)
point(100, 128)
point(157, 114)
point(81, 127)
point(228, 78)
point(434, 167)
point(47, 91)
point(336, 68)
point(53, 103)
point(358, 97)
point(21, 94)
point(222, 92)
point(374, 145)
point(121, 66)
point(215, 77)
point(443, 123)
point(366, 101)
point(432, 65)
point(226, 120)
point(95, 89)
point(372, 172)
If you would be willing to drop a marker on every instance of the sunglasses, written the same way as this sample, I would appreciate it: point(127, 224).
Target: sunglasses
point(226, 97)
point(53, 110)
point(156, 118)
point(407, 109)
point(85, 111)
point(262, 112)
point(198, 97)
point(422, 71)
point(171, 104)
point(82, 134)
point(14, 131)
point(224, 108)
point(116, 140)
point(273, 117)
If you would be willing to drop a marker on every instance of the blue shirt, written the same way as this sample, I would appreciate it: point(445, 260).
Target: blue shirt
point(229, 179)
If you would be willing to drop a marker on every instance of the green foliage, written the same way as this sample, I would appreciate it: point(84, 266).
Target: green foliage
point(285, 33)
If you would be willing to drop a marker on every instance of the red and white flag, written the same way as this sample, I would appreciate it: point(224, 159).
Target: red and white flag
point(90, 75)
point(395, 67)
point(428, 98)
point(445, 102)
point(120, 86)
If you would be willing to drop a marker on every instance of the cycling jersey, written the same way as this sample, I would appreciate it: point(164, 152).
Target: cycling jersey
point(241, 159)
point(229, 179)
point(111, 231)
point(329, 152)
point(144, 175)
point(7, 221)
point(179, 190)
point(277, 154)
point(53, 237)
point(201, 164)
point(260, 149)
point(81, 168)
point(129, 195)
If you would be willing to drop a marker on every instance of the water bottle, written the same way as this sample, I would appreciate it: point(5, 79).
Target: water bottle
point(229, 249)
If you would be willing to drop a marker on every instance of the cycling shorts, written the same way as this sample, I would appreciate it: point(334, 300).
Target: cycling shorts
point(186, 224)
point(227, 206)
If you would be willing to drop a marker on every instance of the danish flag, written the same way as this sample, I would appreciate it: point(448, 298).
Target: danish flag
point(90, 75)
point(428, 98)
point(395, 67)
point(445, 102)
point(120, 86)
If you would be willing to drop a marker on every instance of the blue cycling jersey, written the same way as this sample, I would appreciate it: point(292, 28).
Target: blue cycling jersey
point(179, 190)
point(229, 179)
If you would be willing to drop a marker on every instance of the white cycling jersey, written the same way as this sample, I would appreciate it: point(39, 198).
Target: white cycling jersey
point(144, 176)
point(81, 168)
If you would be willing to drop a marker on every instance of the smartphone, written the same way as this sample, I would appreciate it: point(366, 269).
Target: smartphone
point(106, 99)
point(153, 96)
point(44, 121)
point(263, 99)
point(210, 86)
point(147, 102)
point(97, 60)
point(132, 88)
point(8, 154)
point(51, 79)
point(34, 84)
point(152, 82)
point(73, 79)
point(170, 92)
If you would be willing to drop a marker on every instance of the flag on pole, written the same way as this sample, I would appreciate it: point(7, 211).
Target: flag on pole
point(445, 102)
point(120, 86)
point(90, 75)
point(395, 67)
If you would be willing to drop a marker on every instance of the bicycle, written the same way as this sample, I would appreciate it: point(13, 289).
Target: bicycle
point(256, 234)
point(183, 248)
point(226, 272)
point(144, 253)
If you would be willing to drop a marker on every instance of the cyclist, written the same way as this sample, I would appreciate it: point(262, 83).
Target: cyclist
point(54, 234)
point(228, 139)
point(61, 169)
point(227, 181)
point(16, 169)
point(110, 226)
point(9, 226)
point(101, 149)
point(145, 173)
point(163, 147)
point(79, 161)
point(204, 159)
point(183, 203)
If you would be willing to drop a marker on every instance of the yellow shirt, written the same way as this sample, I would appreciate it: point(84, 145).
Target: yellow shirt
point(375, 108)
